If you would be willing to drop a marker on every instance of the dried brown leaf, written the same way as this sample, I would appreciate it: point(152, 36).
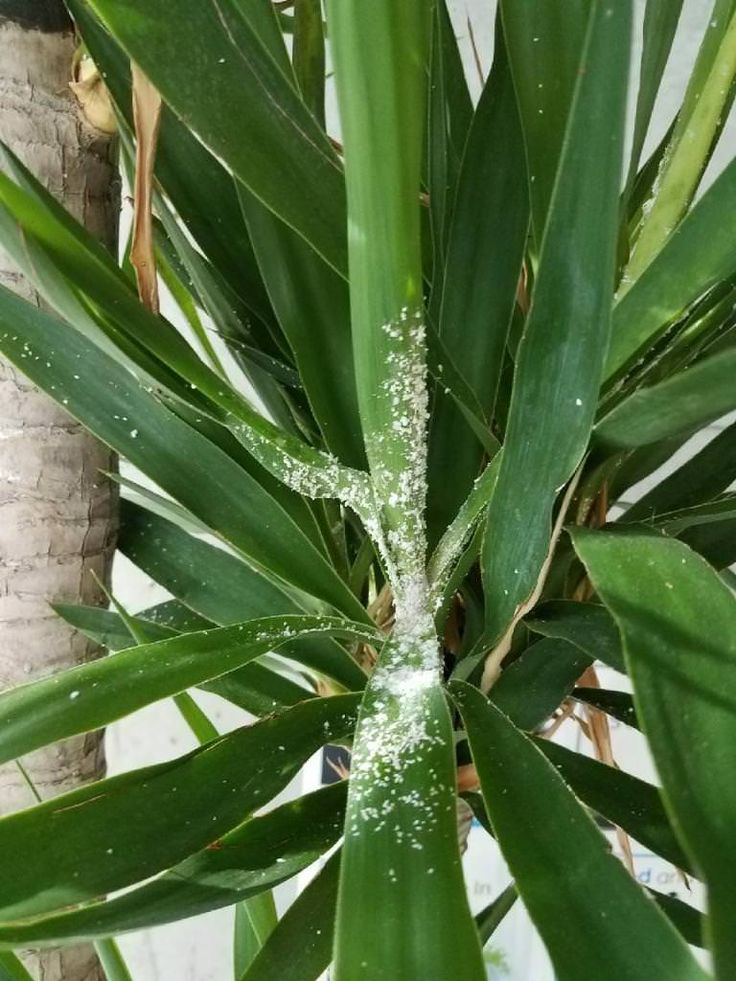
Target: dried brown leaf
point(147, 116)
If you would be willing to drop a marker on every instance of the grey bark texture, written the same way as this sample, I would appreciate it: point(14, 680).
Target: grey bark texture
point(57, 511)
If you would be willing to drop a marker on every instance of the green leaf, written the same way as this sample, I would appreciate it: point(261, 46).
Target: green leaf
point(545, 43)
point(277, 148)
point(259, 854)
point(448, 381)
point(491, 917)
point(401, 848)
point(255, 920)
point(112, 961)
point(632, 466)
point(630, 803)
point(172, 613)
point(380, 55)
point(534, 685)
point(698, 255)
point(186, 567)
point(31, 259)
point(660, 24)
point(92, 695)
point(674, 407)
point(264, 22)
point(174, 277)
point(149, 500)
point(587, 625)
point(253, 687)
point(108, 628)
point(308, 55)
point(491, 208)
point(198, 186)
point(552, 846)
point(313, 308)
point(619, 704)
point(678, 626)
point(264, 365)
point(147, 343)
point(461, 528)
point(268, 462)
point(560, 357)
point(700, 478)
point(122, 326)
point(692, 924)
point(300, 947)
point(11, 969)
point(723, 509)
point(488, 230)
point(708, 97)
point(123, 414)
point(161, 352)
point(715, 542)
point(134, 825)
point(450, 111)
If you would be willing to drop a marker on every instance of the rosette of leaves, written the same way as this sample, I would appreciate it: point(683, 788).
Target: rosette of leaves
point(423, 360)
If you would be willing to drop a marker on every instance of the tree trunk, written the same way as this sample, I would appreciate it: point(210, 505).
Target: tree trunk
point(57, 512)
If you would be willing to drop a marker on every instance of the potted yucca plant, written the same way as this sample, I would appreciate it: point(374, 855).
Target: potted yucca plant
point(439, 347)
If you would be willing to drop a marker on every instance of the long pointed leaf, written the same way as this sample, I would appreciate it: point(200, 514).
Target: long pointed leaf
point(186, 567)
point(380, 55)
point(699, 479)
point(560, 357)
point(92, 695)
point(488, 231)
point(300, 948)
point(709, 94)
point(109, 402)
point(587, 625)
point(198, 186)
point(552, 846)
point(660, 24)
point(256, 856)
point(11, 969)
point(675, 407)
point(450, 111)
point(545, 42)
point(136, 824)
point(630, 803)
point(535, 684)
point(679, 631)
point(401, 848)
point(312, 304)
point(253, 687)
point(277, 149)
point(700, 253)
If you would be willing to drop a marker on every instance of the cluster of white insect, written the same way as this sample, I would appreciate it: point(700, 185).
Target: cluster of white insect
point(309, 472)
point(397, 729)
point(398, 452)
point(399, 722)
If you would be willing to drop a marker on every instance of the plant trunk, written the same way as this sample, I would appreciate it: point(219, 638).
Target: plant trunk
point(57, 511)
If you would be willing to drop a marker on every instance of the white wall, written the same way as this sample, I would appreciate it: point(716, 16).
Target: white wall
point(200, 949)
